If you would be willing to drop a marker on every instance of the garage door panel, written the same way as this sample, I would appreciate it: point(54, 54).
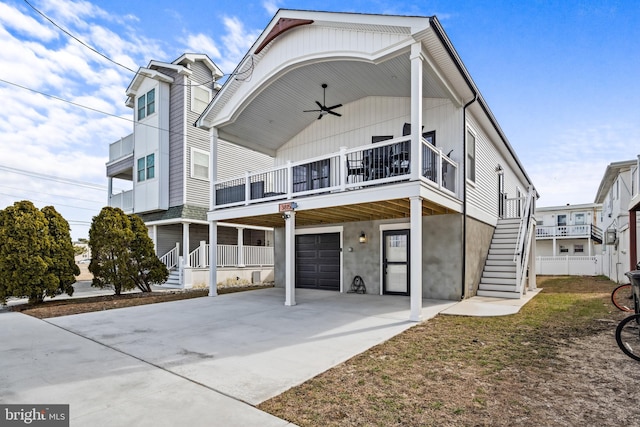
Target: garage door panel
point(318, 261)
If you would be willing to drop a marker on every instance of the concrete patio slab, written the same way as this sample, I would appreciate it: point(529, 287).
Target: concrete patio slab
point(249, 345)
point(198, 362)
point(41, 363)
point(488, 306)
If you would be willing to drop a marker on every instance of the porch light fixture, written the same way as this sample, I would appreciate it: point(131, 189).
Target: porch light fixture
point(363, 237)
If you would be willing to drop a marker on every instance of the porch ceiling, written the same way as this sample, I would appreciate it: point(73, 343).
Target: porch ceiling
point(276, 114)
point(386, 209)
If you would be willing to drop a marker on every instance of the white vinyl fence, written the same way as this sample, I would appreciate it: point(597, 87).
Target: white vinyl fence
point(569, 265)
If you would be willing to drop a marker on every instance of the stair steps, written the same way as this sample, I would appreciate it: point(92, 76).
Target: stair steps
point(499, 275)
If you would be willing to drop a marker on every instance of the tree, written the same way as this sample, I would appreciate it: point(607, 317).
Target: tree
point(25, 254)
point(61, 251)
point(122, 253)
point(109, 238)
point(147, 269)
point(79, 250)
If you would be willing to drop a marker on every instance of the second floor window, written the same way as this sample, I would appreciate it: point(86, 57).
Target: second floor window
point(146, 167)
point(200, 97)
point(580, 219)
point(147, 104)
point(471, 157)
point(199, 164)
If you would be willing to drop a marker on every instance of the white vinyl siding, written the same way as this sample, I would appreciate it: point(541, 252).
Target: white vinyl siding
point(482, 196)
point(231, 155)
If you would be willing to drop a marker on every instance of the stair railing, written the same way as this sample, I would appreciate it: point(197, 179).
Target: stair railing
point(523, 243)
point(170, 259)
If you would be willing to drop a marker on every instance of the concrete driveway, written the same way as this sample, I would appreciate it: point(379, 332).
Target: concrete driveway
point(204, 361)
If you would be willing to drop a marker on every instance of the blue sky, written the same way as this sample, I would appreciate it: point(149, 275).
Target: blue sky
point(561, 77)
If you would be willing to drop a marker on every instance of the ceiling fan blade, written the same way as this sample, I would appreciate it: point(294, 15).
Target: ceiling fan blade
point(334, 113)
point(320, 105)
point(335, 106)
point(320, 116)
point(310, 111)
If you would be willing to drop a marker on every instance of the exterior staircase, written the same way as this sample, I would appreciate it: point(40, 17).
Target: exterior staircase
point(499, 274)
point(174, 279)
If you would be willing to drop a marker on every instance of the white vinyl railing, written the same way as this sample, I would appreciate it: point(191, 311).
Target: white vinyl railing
point(523, 243)
point(229, 256)
point(123, 200)
point(374, 164)
point(121, 148)
point(171, 258)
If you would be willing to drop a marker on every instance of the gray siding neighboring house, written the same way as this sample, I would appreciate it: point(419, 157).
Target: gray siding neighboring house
point(166, 162)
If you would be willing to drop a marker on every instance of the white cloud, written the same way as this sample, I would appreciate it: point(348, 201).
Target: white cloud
point(201, 43)
point(235, 42)
point(10, 17)
point(53, 137)
point(271, 6)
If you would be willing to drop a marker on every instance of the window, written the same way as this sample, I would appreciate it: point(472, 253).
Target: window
point(199, 164)
point(562, 220)
point(151, 166)
point(141, 169)
point(580, 219)
point(146, 167)
point(564, 249)
point(200, 97)
point(147, 104)
point(579, 249)
point(471, 157)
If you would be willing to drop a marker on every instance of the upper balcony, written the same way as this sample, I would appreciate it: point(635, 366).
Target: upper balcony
point(583, 231)
point(120, 164)
point(379, 164)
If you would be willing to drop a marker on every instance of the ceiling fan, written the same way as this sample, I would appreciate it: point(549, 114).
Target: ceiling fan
point(324, 110)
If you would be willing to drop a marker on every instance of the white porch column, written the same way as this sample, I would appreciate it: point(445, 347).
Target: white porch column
point(241, 247)
point(185, 243)
point(213, 166)
point(416, 259)
point(554, 242)
point(202, 254)
point(416, 110)
point(213, 258)
point(109, 190)
point(154, 237)
point(290, 258)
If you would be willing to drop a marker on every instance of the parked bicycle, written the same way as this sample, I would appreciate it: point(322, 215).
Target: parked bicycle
point(622, 297)
point(628, 330)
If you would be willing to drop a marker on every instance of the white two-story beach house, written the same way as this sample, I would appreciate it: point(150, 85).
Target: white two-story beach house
point(388, 163)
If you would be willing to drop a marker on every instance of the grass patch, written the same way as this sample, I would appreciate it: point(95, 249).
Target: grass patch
point(453, 370)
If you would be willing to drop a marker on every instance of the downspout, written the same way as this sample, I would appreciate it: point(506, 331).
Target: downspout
point(464, 194)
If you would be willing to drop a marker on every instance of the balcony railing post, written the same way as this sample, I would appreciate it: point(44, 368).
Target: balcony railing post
point(342, 176)
point(247, 188)
point(289, 180)
point(439, 167)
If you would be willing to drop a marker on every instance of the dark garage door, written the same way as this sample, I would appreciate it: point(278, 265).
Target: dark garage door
point(318, 261)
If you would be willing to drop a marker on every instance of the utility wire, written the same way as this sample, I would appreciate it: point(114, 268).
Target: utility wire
point(54, 178)
point(53, 195)
point(249, 70)
point(57, 98)
point(49, 203)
